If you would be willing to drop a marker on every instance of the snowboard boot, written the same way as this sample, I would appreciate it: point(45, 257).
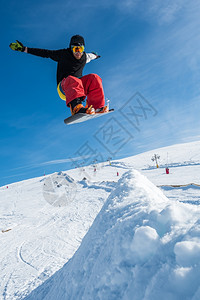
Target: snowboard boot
point(102, 110)
point(76, 107)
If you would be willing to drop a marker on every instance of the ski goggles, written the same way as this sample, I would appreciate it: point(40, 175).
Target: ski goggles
point(77, 48)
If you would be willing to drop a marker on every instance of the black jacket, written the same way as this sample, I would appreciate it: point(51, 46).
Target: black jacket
point(67, 63)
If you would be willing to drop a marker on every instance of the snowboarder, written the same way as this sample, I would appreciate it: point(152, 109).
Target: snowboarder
point(71, 85)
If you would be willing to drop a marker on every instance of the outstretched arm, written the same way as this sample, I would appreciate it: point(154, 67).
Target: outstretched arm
point(53, 54)
point(91, 56)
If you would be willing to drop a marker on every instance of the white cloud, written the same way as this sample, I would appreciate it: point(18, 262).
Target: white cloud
point(53, 162)
point(162, 12)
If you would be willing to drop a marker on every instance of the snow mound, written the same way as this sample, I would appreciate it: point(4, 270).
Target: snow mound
point(133, 250)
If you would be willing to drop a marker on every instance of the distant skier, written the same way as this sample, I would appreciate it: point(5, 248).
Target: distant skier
point(71, 85)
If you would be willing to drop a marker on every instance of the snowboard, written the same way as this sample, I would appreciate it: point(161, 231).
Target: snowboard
point(81, 117)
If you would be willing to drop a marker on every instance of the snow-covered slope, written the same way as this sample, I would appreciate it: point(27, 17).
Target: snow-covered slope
point(41, 228)
point(142, 244)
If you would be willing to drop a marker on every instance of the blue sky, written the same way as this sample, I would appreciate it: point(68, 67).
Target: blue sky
point(149, 64)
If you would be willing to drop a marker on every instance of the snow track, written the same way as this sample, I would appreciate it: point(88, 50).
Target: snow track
point(20, 256)
point(6, 287)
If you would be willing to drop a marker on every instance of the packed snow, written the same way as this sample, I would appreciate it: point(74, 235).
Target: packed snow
point(124, 230)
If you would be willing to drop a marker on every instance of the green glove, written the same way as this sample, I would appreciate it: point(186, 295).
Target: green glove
point(18, 46)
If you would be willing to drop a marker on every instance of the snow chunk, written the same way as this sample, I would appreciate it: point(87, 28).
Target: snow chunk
point(187, 253)
point(145, 242)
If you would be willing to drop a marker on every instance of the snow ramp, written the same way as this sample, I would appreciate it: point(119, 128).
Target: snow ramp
point(140, 246)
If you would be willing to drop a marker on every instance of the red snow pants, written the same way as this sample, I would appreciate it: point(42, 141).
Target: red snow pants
point(88, 85)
